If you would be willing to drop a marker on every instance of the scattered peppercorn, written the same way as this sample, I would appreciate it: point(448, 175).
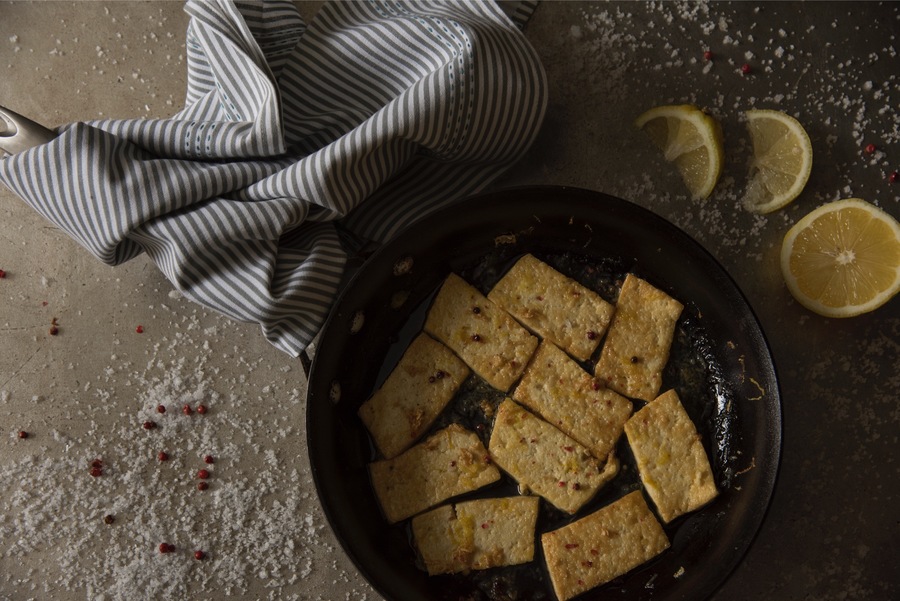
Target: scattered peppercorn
point(745, 68)
point(591, 335)
point(199, 555)
point(98, 463)
point(54, 330)
point(708, 55)
point(202, 485)
point(476, 337)
point(208, 459)
point(870, 148)
point(893, 177)
point(160, 408)
point(109, 518)
point(139, 329)
point(186, 410)
point(166, 548)
point(203, 474)
point(96, 472)
point(23, 434)
point(148, 425)
point(476, 309)
point(2, 274)
point(163, 456)
point(201, 409)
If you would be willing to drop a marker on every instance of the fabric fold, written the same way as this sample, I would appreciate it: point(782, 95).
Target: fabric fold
point(368, 118)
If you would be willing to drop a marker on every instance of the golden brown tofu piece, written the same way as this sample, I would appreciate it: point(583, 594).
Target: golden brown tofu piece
point(670, 457)
point(545, 461)
point(485, 336)
point(477, 535)
point(554, 306)
point(413, 395)
point(640, 337)
point(450, 462)
point(555, 387)
point(603, 545)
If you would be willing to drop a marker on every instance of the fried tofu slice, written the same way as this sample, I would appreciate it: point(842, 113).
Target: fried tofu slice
point(543, 460)
point(450, 462)
point(603, 545)
point(485, 336)
point(477, 534)
point(556, 388)
point(639, 339)
point(425, 379)
point(554, 306)
point(671, 460)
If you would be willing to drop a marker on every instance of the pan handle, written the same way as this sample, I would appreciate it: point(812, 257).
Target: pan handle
point(18, 133)
point(305, 363)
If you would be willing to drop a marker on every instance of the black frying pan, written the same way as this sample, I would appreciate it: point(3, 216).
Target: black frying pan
point(721, 367)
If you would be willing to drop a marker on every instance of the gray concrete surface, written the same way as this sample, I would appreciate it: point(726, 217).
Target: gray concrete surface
point(832, 530)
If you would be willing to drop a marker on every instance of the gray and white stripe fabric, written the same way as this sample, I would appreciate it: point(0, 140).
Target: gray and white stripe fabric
point(293, 140)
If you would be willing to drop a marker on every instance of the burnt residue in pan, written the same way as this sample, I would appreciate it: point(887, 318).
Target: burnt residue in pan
point(693, 371)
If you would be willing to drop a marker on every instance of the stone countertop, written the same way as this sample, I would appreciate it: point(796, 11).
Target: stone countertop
point(831, 531)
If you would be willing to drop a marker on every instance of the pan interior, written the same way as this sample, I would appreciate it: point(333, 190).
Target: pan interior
point(720, 365)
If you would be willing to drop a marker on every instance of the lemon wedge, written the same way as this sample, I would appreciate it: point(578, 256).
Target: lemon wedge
point(689, 138)
point(843, 258)
point(782, 160)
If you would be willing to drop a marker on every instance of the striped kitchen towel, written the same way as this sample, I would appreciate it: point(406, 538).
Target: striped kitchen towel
point(294, 140)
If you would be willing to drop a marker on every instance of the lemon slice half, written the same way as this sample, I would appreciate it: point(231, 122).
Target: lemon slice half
point(782, 160)
point(843, 259)
point(690, 139)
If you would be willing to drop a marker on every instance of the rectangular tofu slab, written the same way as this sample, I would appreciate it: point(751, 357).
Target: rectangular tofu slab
point(450, 462)
point(639, 339)
point(477, 535)
point(485, 336)
point(556, 388)
point(554, 306)
point(413, 395)
point(603, 545)
point(671, 460)
point(545, 461)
